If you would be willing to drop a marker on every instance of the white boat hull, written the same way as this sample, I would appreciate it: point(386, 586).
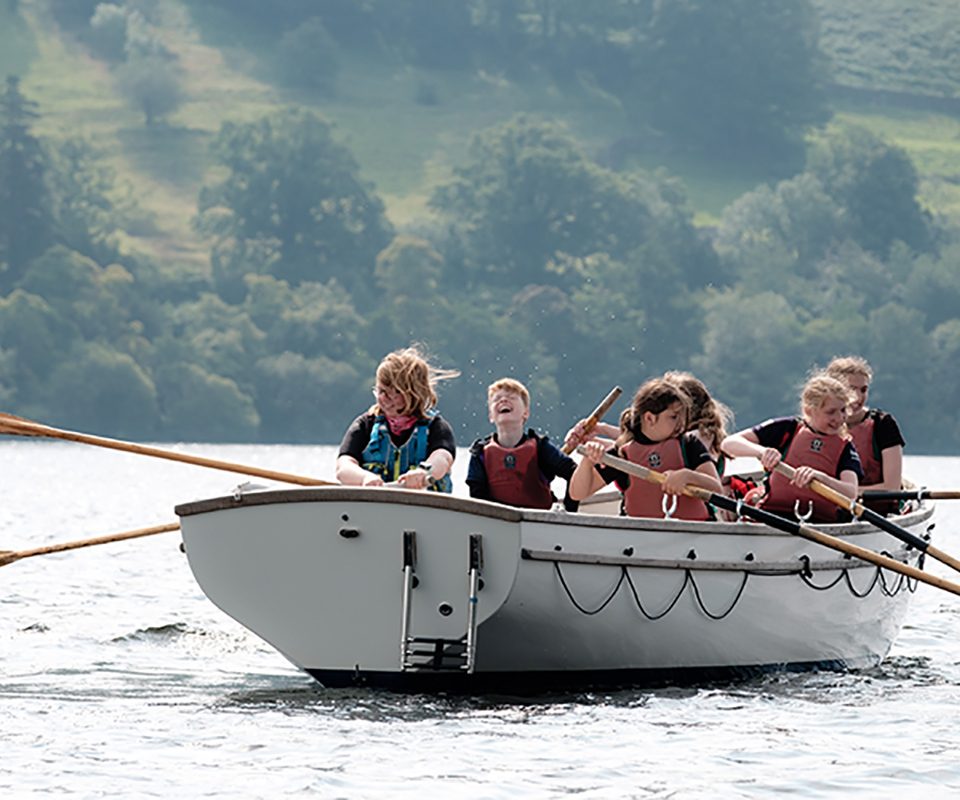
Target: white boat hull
point(567, 600)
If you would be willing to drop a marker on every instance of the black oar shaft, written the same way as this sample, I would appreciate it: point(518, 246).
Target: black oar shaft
point(911, 494)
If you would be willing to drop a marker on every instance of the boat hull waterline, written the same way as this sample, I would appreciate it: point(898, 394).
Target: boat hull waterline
point(421, 591)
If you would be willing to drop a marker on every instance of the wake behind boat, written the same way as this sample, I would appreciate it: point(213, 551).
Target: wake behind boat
point(422, 591)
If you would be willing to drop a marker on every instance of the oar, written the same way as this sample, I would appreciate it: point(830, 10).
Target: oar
point(591, 422)
point(18, 426)
point(860, 511)
point(786, 525)
point(911, 494)
point(9, 556)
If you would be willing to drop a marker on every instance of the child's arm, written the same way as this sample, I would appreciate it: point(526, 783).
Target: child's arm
point(847, 484)
point(746, 444)
point(585, 479)
point(705, 476)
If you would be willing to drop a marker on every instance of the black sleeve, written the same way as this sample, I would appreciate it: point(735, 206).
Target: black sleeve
point(440, 436)
point(612, 474)
point(774, 432)
point(850, 459)
point(696, 451)
point(555, 463)
point(477, 471)
point(887, 432)
point(357, 437)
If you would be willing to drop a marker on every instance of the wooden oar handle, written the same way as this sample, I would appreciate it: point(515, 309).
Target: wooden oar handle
point(18, 426)
point(821, 489)
point(9, 556)
point(591, 422)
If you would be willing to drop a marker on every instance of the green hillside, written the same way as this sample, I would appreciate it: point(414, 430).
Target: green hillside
point(404, 147)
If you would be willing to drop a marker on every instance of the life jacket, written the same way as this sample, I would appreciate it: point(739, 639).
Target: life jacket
point(644, 498)
point(514, 476)
point(388, 461)
point(864, 435)
point(806, 448)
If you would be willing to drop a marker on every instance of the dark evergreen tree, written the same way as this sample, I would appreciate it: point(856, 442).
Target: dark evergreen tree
point(26, 221)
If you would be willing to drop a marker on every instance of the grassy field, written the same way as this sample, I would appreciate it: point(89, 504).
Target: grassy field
point(404, 148)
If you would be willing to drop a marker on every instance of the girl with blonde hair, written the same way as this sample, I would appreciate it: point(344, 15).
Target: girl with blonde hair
point(816, 444)
point(875, 433)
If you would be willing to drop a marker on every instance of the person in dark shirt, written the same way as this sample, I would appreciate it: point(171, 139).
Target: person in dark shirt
point(816, 444)
point(875, 433)
point(400, 438)
point(652, 434)
point(515, 465)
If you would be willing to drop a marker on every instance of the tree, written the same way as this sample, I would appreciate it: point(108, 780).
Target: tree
point(153, 84)
point(26, 221)
point(95, 388)
point(84, 194)
point(204, 407)
point(306, 57)
point(529, 197)
point(292, 196)
point(741, 77)
point(876, 186)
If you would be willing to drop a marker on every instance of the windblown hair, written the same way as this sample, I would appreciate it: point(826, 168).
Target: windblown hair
point(821, 387)
point(410, 373)
point(842, 366)
point(509, 385)
point(656, 396)
point(708, 417)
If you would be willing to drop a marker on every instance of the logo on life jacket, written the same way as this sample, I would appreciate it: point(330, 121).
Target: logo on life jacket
point(655, 460)
point(510, 461)
point(816, 445)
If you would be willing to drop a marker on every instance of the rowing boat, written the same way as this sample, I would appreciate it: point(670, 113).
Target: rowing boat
point(429, 592)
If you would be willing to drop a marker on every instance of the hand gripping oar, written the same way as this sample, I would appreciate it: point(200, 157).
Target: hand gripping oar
point(9, 556)
point(17, 426)
point(911, 494)
point(591, 422)
point(860, 511)
point(786, 525)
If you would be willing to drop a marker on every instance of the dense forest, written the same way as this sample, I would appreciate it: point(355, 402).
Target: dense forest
point(216, 216)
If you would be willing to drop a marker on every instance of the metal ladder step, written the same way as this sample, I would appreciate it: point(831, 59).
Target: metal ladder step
point(433, 653)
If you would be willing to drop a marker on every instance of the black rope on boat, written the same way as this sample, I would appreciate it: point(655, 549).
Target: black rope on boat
point(803, 571)
point(687, 578)
point(580, 608)
point(705, 610)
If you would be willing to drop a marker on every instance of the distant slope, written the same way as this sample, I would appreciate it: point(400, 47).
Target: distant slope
point(903, 46)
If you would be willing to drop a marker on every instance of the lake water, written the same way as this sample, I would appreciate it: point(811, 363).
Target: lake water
point(118, 678)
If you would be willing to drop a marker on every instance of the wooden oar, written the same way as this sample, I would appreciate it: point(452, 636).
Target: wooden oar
point(911, 494)
point(786, 525)
point(9, 556)
point(18, 426)
point(591, 422)
point(860, 511)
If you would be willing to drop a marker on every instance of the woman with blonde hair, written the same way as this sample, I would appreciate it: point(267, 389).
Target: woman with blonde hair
point(816, 444)
point(875, 433)
point(401, 438)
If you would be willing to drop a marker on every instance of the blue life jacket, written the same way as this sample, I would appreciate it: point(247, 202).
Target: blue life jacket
point(388, 461)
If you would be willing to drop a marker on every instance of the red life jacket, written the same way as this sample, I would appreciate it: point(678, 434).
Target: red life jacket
point(643, 498)
point(806, 448)
point(865, 440)
point(514, 476)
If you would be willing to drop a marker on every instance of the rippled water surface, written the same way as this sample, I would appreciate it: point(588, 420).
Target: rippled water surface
point(118, 678)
